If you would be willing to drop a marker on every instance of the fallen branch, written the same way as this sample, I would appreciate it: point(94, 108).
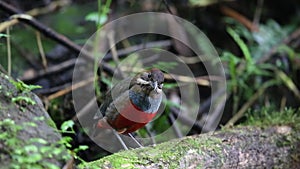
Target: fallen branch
point(242, 147)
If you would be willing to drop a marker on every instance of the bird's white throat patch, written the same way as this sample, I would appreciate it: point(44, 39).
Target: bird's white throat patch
point(141, 81)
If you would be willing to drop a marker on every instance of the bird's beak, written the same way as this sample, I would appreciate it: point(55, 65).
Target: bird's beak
point(154, 85)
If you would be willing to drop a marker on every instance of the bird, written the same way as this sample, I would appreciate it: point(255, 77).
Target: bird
point(131, 103)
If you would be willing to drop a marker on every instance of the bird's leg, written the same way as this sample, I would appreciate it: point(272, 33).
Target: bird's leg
point(135, 140)
point(120, 139)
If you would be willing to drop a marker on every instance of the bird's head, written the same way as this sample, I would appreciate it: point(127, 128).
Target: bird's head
point(151, 80)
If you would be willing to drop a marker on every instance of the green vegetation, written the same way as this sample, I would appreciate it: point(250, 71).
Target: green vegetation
point(67, 127)
point(32, 153)
point(35, 152)
point(252, 76)
point(22, 87)
point(20, 99)
point(270, 117)
point(23, 97)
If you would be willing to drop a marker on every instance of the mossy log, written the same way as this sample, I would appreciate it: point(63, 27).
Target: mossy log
point(28, 136)
point(241, 147)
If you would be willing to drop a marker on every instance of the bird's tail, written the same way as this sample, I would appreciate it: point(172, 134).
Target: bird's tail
point(98, 125)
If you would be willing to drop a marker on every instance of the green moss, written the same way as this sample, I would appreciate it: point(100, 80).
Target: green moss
point(119, 160)
point(30, 153)
point(167, 154)
point(267, 117)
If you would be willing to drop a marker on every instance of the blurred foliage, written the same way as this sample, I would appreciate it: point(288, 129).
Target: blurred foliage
point(23, 38)
point(67, 127)
point(249, 74)
point(270, 117)
point(101, 16)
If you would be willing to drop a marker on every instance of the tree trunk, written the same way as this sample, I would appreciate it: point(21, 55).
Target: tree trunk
point(28, 137)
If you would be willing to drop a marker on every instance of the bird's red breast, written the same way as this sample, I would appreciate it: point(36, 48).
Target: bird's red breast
point(130, 119)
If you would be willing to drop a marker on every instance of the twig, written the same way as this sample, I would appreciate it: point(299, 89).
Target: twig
point(215, 115)
point(41, 49)
point(124, 52)
point(45, 91)
point(3, 70)
point(153, 141)
point(258, 12)
point(54, 5)
point(41, 27)
point(244, 108)
point(167, 6)
point(8, 52)
point(29, 57)
point(282, 103)
point(239, 17)
point(6, 24)
point(114, 53)
point(194, 59)
point(53, 69)
point(201, 80)
point(69, 89)
point(206, 104)
point(48, 32)
point(37, 11)
point(175, 127)
point(187, 120)
point(86, 109)
point(198, 80)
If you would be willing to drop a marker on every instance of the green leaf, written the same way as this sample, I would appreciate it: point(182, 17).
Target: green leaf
point(83, 147)
point(34, 158)
point(20, 85)
point(67, 125)
point(38, 140)
point(46, 149)
point(7, 122)
point(31, 124)
point(58, 151)
point(94, 16)
point(106, 81)
point(4, 136)
point(41, 118)
point(170, 85)
point(286, 49)
point(31, 149)
point(66, 141)
point(50, 165)
point(241, 44)
point(289, 83)
point(3, 35)
point(26, 99)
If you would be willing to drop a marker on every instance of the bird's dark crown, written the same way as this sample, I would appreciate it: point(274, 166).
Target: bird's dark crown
point(151, 79)
point(153, 74)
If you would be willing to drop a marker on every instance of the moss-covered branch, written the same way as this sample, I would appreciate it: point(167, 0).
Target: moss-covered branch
point(241, 147)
